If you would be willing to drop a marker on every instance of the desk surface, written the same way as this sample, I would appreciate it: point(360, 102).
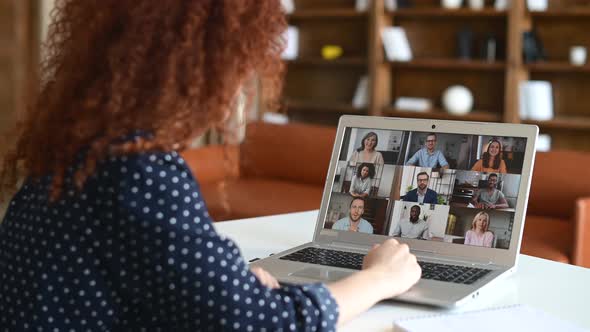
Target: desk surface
point(559, 289)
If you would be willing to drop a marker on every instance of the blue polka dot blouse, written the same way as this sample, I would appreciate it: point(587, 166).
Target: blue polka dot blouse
point(135, 250)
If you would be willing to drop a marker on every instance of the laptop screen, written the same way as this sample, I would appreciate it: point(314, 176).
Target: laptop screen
point(452, 188)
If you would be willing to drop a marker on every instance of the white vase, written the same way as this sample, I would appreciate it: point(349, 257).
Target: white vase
point(451, 4)
point(476, 4)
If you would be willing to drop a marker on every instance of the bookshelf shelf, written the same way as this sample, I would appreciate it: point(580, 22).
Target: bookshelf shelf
point(450, 14)
point(557, 67)
point(440, 114)
point(568, 13)
point(450, 64)
point(322, 106)
point(326, 13)
point(318, 61)
point(563, 123)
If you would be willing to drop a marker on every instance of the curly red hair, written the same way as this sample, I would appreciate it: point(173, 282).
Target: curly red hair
point(171, 68)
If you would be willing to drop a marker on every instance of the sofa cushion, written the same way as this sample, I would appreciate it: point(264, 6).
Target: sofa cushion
point(557, 182)
point(258, 197)
point(548, 238)
point(294, 152)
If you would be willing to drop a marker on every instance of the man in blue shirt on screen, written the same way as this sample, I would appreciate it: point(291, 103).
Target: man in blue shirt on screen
point(428, 156)
point(354, 222)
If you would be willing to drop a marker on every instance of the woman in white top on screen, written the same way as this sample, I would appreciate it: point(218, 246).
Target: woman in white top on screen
point(366, 153)
point(479, 235)
point(361, 181)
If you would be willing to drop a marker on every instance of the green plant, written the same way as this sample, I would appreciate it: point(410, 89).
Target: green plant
point(440, 200)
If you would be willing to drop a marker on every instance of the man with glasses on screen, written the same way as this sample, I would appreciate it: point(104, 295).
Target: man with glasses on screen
point(422, 194)
point(429, 156)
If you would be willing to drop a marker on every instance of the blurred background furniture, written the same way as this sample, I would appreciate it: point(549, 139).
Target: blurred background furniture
point(319, 90)
point(279, 169)
point(558, 216)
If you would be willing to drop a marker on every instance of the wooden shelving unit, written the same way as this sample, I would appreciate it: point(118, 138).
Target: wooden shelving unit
point(319, 90)
point(434, 12)
point(318, 61)
point(451, 64)
point(326, 13)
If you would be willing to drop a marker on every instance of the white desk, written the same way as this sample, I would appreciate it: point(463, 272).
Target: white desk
point(559, 289)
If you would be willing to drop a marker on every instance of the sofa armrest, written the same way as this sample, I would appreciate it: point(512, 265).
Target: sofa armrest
point(213, 163)
point(581, 254)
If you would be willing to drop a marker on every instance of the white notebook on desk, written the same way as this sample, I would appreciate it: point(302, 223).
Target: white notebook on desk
point(510, 318)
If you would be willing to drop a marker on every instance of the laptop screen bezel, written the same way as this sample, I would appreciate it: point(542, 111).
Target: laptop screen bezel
point(505, 257)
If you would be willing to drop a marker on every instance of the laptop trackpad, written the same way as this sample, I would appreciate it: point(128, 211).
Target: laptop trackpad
point(321, 274)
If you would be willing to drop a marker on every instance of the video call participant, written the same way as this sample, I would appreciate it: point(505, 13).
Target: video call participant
point(413, 228)
point(491, 160)
point(361, 181)
point(354, 222)
point(366, 153)
point(422, 194)
point(429, 156)
point(490, 197)
point(479, 235)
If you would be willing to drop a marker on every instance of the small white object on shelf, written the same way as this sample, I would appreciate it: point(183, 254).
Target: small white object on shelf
point(578, 55)
point(413, 104)
point(536, 100)
point(476, 4)
point(396, 44)
point(361, 95)
point(451, 4)
point(291, 37)
point(391, 5)
point(288, 6)
point(457, 100)
point(537, 5)
point(276, 118)
point(501, 4)
point(544, 143)
point(362, 5)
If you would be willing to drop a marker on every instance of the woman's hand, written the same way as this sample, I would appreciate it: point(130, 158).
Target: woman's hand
point(395, 268)
point(264, 277)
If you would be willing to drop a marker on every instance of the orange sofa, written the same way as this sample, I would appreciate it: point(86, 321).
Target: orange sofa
point(558, 216)
point(281, 169)
point(277, 169)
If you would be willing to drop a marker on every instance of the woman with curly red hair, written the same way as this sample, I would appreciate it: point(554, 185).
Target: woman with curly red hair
point(109, 230)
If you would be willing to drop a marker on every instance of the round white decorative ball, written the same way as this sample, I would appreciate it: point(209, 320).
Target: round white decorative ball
point(457, 100)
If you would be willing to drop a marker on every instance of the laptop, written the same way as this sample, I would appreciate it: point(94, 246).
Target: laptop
point(456, 192)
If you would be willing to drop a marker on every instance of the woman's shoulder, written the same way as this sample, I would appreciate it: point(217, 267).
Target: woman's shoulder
point(478, 165)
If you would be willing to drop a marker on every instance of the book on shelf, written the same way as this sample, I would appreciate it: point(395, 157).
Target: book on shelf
point(291, 37)
point(396, 44)
point(413, 104)
point(361, 95)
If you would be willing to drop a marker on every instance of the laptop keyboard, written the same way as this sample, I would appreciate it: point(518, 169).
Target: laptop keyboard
point(350, 260)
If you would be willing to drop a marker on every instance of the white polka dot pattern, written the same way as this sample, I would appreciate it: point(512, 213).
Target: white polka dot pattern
point(135, 250)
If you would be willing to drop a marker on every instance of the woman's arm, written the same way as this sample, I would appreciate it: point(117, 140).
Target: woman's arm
point(388, 270)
